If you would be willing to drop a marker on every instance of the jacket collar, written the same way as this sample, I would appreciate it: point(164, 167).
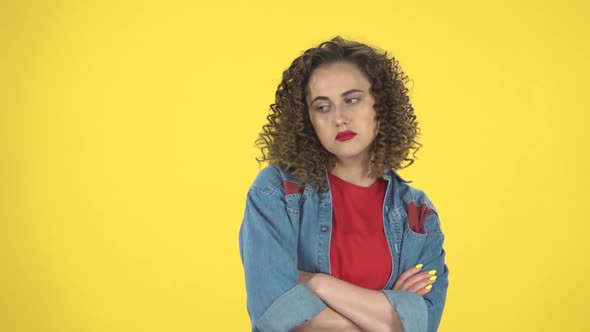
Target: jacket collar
point(387, 175)
point(391, 173)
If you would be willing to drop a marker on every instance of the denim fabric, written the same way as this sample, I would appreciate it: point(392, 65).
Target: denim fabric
point(283, 232)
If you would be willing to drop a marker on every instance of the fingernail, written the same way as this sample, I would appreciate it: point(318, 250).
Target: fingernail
point(432, 278)
point(432, 272)
point(419, 266)
point(428, 287)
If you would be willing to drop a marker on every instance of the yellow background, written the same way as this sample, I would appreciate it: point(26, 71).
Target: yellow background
point(127, 132)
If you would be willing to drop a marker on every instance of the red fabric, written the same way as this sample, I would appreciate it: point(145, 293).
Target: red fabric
point(291, 188)
point(417, 215)
point(359, 253)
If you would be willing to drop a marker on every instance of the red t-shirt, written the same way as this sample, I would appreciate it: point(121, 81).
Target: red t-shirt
point(359, 253)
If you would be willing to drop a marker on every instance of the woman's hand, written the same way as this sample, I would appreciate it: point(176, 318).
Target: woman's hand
point(412, 280)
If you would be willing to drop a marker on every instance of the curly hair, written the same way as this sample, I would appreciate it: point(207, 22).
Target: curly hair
point(289, 140)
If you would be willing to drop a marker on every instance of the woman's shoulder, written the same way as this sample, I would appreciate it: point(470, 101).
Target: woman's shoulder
point(422, 214)
point(411, 194)
point(274, 180)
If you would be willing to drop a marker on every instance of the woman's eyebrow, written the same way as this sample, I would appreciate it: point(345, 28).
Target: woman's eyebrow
point(344, 94)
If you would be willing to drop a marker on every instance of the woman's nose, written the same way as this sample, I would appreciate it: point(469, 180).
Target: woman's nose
point(340, 116)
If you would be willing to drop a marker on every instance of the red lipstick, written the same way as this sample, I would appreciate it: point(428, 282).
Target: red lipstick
point(345, 135)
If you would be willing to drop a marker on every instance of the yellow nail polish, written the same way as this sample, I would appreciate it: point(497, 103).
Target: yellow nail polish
point(432, 272)
point(428, 287)
point(432, 278)
point(419, 266)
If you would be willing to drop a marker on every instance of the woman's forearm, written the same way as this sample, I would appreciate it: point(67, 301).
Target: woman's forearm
point(328, 320)
point(368, 309)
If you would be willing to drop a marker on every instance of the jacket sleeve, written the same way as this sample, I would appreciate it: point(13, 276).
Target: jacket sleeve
point(423, 313)
point(276, 301)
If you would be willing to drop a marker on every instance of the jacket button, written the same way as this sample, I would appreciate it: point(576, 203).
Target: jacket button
point(324, 228)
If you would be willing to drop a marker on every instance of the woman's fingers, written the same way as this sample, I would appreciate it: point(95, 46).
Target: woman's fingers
point(421, 284)
point(413, 280)
point(423, 291)
point(422, 279)
point(401, 280)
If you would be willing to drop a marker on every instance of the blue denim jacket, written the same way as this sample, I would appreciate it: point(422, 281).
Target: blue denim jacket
point(286, 229)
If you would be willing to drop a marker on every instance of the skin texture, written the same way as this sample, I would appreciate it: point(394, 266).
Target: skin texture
point(338, 113)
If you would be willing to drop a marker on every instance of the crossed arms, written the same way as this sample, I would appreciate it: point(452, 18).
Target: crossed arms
point(282, 298)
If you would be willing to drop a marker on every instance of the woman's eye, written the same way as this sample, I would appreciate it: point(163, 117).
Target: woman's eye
point(352, 100)
point(323, 108)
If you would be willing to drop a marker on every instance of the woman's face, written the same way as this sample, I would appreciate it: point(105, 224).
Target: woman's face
point(341, 110)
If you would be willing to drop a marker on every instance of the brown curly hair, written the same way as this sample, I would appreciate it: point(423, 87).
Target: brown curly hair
point(289, 140)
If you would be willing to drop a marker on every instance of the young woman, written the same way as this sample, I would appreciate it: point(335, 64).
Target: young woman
point(333, 239)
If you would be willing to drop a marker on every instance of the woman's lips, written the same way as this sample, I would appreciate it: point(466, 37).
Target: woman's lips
point(345, 135)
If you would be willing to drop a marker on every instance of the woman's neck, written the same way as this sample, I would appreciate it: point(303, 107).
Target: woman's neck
point(353, 172)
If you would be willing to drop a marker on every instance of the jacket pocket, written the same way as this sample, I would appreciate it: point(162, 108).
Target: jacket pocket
point(415, 244)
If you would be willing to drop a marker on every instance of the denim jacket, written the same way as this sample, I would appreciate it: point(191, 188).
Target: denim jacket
point(286, 228)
